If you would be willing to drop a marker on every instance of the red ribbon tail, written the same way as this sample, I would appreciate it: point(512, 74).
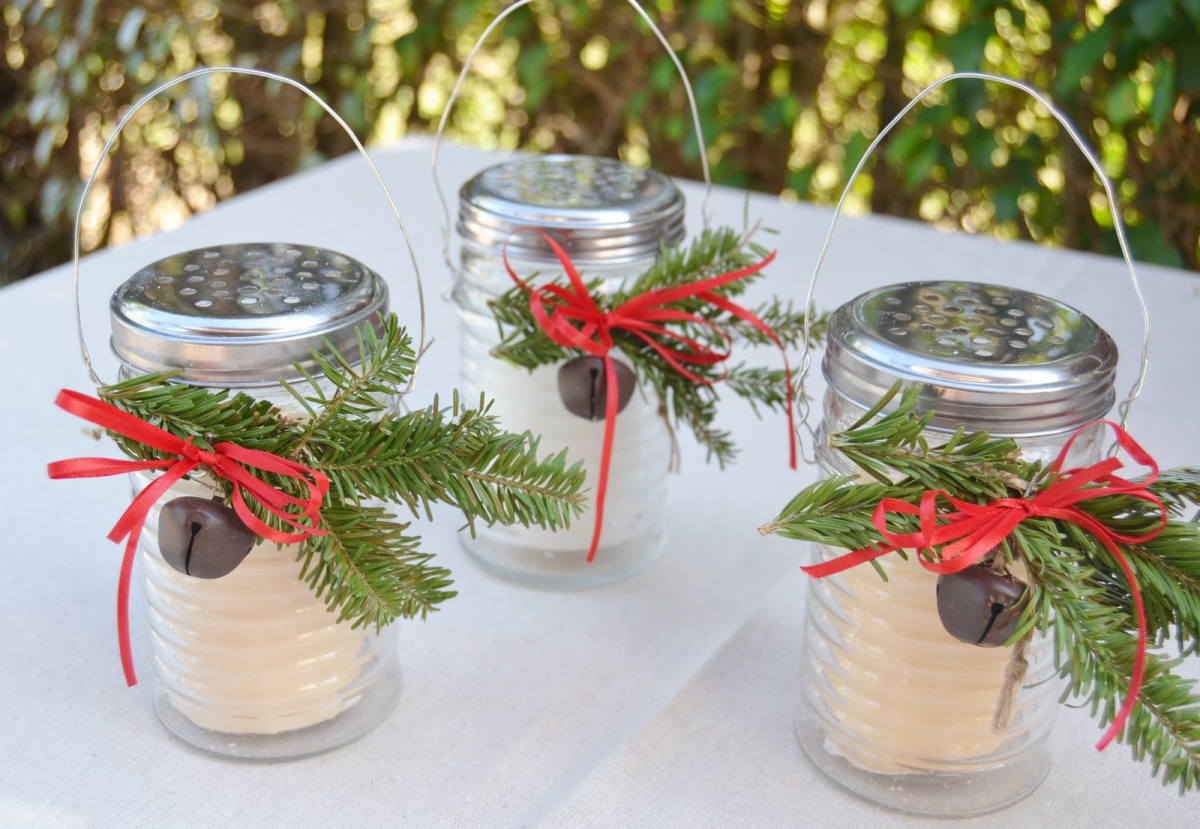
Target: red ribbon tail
point(1139, 657)
point(844, 562)
point(610, 428)
point(123, 607)
point(227, 462)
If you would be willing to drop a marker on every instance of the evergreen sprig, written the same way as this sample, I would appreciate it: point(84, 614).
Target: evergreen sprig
point(682, 402)
point(1077, 591)
point(368, 569)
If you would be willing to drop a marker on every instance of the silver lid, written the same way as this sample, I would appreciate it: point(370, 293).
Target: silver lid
point(598, 209)
point(985, 357)
point(242, 314)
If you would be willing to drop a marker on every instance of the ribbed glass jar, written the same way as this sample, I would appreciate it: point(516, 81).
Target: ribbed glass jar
point(895, 709)
point(251, 665)
point(612, 220)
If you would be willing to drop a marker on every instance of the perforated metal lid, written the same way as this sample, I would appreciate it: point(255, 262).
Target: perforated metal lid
point(998, 359)
point(236, 315)
point(598, 209)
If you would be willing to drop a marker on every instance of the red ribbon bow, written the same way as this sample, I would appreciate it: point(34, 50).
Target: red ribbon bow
point(574, 320)
point(228, 460)
point(971, 531)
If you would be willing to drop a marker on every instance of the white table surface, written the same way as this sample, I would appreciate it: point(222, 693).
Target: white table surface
point(665, 700)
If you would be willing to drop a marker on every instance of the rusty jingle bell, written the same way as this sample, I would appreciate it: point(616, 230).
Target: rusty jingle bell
point(980, 606)
point(583, 386)
point(202, 537)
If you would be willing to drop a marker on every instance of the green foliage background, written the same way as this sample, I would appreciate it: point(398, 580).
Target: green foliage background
point(790, 93)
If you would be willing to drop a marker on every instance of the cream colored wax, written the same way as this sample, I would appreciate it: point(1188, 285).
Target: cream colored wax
point(253, 652)
point(903, 694)
point(637, 479)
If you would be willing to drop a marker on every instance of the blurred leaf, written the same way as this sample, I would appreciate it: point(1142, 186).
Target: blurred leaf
point(1192, 9)
point(800, 180)
point(662, 74)
point(1150, 245)
point(1004, 201)
point(965, 47)
point(1164, 93)
point(713, 12)
point(42, 148)
point(131, 25)
point(54, 199)
point(906, 8)
point(1080, 59)
point(1120, 104)
point(77, 80)
point(903, 144)
point(637, 104)
point(531, 70)
point(710, 85)
point(922, 164)
point(14, 212)
point(1152, 18)
point(1187, 70)
point(852, 153)
point(779, 114)
point(980, 144)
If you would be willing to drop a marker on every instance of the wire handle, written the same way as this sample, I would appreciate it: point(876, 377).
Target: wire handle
point(462, 76)
point(209, 70)
point(1118, 224)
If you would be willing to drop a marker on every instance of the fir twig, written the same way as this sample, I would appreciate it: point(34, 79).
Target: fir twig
point(1077, 591)
point(367, 569)
point(683, 402)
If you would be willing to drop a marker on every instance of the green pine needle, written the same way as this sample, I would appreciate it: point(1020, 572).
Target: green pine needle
point(367, 569)
point(682, 402)
point(1078, 593)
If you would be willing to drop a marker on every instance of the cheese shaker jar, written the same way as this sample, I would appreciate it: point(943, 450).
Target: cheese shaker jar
point(612, 220)
point(895, 708)
point(251, 665)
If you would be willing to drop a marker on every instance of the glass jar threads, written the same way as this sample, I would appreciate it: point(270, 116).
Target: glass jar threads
point(895, 708)
point(250, 664)
point(612, 220)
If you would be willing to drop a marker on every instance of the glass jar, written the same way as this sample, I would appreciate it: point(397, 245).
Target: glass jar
point(612, 220)
point(251, 665)
point(895, 708)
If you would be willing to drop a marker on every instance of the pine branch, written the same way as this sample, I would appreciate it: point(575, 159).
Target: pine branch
point(683, 402)
point(760, 386)
point(1077, 590)
point(1095, 652)
point(366, 569)
point(363, 390)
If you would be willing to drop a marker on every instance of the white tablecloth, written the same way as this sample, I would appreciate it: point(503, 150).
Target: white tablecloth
point(665, 700)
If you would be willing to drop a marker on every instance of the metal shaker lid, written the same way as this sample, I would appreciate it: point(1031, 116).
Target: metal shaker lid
point(985, 357)
point(242, 314)
point(598, 209)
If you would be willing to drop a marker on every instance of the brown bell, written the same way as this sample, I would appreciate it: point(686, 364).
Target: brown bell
point(583, 386)
point(202, 537)
point(979, 606)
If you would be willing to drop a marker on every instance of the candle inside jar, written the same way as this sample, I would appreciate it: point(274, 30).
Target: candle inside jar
point(527, 400)
point(255, 651)
point(901, 693)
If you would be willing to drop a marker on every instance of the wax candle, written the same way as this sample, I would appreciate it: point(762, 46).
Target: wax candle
point(896, 708)
point(251, 664)
point(612, 220)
